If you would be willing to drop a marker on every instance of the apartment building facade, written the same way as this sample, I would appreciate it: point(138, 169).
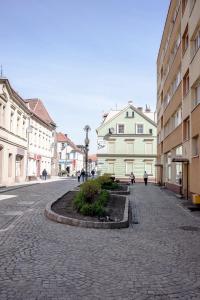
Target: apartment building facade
point(41, 140)
point(127, 143)
point(14, 117)
point(178, 99)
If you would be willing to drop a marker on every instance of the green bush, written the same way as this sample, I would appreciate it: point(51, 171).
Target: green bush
point(96, 206)
point(107, 182)
point(90, 189)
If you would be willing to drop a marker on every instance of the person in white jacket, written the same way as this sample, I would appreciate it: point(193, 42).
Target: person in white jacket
point(145, 177)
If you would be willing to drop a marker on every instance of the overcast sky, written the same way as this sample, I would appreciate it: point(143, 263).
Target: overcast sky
point(82, 57)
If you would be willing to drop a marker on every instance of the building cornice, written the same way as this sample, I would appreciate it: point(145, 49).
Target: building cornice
point(127, 155)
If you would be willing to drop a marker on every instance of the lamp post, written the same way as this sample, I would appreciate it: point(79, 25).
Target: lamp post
point(87, 141)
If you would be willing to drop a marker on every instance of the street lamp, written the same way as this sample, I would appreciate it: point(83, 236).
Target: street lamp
point(87, 141)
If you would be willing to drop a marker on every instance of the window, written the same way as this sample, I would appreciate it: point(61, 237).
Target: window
point(197, 42)
point(195, 145)
point(11, 121)
point(148, 168)
point(129, 167)
point(185, 41)
point(139, 128)
point(111, 168)
point(177, 118)
point(148, 148)
point(197, 95)
point(186, 129)
point(130, 147)
point(120, 128)
point(179, 151)
point(111, 147)
point(18, 125)
point(186, 84)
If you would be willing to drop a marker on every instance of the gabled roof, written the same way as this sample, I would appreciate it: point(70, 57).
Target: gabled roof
point(14, 94)
point(115, 114)
point(63, 138)
point(37, 107)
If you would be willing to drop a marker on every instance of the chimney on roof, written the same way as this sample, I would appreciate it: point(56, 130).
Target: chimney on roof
point(140, 108)
point(65, 134)
point(130, 102)
point(147, 109)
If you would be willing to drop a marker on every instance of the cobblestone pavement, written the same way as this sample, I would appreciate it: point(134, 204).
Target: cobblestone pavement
point(155, 259)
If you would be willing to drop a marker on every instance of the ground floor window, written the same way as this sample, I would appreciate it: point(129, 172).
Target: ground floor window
point(111, 168)
point(129, 167)
point(149, 168)
point(19, 165)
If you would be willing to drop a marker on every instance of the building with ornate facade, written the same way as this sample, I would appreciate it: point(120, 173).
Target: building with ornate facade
point(14, 119)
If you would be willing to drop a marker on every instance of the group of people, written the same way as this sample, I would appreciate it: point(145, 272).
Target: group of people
point(132, 178)
point(82, 174)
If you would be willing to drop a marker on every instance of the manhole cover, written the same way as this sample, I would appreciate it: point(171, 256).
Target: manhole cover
point(189, 228)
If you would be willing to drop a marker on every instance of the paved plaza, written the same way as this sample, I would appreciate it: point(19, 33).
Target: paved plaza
point(158, 258)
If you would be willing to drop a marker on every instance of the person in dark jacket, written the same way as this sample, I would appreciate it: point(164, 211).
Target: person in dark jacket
point(44, 174)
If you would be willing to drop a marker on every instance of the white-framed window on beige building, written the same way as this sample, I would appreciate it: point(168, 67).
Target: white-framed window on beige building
point(23, 128)
point(18, 126)
point(179, 151)
point(148, 167)
point(196, 42)
point(185, 40)
point(130, 147)
point(196, 99)
point(111, 147)
point(111, 167)
point(139, 128)
point(195, 145)
point(186, 84)
point(12, 121)
point(129, 167)
point(120, 128)
point(148, 148)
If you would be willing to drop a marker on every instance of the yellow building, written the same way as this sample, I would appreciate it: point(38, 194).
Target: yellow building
point(178, 98)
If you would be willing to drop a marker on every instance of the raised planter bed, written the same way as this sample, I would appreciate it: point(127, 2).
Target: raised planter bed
point(123, 190)
point(62, 211)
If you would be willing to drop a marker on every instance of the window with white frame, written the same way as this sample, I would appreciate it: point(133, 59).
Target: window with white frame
point(148, 148)
point(130, 147)
point(111, 167)
point(195, 145)
point(11, 121)
point(129, 167)
point(196, 95)
point(177, 118)
point(148, 168)
point(139, 128)
point(120, 128)
point(179, 151)
point(111, 147)
point(197, 41)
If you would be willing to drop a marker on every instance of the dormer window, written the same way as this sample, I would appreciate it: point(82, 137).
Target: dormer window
point(120, 128)
point(127, 114)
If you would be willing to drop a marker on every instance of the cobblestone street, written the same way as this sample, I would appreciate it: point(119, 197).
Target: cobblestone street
point(154, 259)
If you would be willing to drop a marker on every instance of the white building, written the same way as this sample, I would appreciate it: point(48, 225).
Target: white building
point(13, 138)
point(41, 140)
point(70, 157)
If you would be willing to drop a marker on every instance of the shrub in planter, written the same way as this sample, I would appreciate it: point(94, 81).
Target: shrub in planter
point(90, 189)
point(107, 182)
point(95, 204)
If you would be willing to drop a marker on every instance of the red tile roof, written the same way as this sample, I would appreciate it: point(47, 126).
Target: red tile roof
point(38, 108)
point(93, 157)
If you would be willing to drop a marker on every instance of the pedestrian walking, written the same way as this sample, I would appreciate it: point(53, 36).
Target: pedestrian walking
point(79, 175)
point(83, 175)
point(44, 174)
point(145, 177)
point(92, 173)
point(132, 178)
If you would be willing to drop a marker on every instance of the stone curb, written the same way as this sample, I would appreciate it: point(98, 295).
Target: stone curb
point(122, 193)
point(50, 214)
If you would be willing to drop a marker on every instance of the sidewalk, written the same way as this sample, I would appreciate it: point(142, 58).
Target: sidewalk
point(29, 183)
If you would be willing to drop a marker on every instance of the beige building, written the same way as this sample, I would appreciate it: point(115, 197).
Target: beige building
point(13, 140)
point(178, 98)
